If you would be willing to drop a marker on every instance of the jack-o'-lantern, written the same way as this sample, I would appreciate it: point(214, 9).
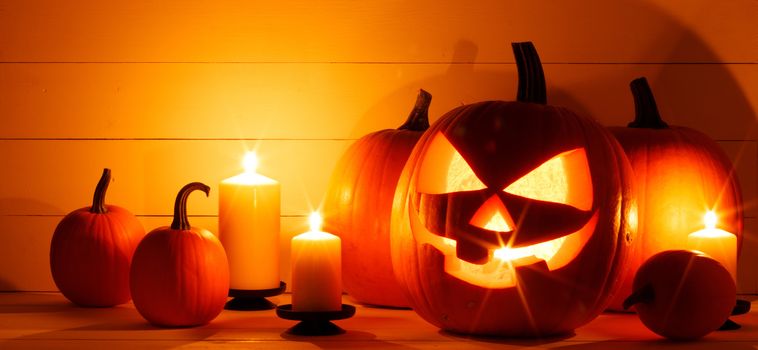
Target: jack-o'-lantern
point(512, 218)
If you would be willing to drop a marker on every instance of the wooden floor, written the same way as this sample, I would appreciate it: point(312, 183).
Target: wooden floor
point(47, 320)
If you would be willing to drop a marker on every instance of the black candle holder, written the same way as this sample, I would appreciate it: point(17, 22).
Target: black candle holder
point(315, 322)
point(253, 300)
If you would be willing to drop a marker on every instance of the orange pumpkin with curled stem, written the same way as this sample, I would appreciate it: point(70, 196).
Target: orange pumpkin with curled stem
point(180, 274)
point(358, 204)
point(682, 295)
point(680, 174)
point(92, 249)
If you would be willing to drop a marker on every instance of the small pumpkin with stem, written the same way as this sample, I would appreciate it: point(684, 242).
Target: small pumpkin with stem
point(358, 206)
point(92, 249)
point(180, 274)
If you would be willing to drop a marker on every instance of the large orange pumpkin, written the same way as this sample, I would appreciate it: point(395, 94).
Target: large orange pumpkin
point(358, 205)
point(92, 249)
point(180, 275)
point(512, 218)
point(680, 174)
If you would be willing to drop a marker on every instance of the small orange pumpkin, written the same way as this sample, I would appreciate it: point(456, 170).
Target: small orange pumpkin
point(680, 174)
point(358, 205)
point(92, 249)
point(682, 294)
point(180, 275)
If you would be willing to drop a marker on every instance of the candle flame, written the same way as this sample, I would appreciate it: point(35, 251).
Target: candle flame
point(315, 220)
point(710, 219)
point(250, 162)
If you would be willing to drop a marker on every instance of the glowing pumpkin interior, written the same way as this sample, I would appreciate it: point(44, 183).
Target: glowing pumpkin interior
point(563, 179)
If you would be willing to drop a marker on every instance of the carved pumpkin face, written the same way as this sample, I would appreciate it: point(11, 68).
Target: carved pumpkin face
point(488, 228)
point(513, 221)
point(492, 201)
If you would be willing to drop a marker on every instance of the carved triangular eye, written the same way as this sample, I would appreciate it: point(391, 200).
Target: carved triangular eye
point(563, 179)
point(444, 170)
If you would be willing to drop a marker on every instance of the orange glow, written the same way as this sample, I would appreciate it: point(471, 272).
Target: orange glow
point(710, 219)
point(493, 216)
point(444, 170)
point(716, 243)
point(315, 222)
point(563, 179)
point(543, 251)
point(315, 233)
point(250, 162)
point(498, 223)
point(498, 271)
point(249, 176)
point(546, 183)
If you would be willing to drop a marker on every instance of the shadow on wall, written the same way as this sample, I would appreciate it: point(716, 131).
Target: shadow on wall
point(683, 90)
point(5, 285)
point(16, 206)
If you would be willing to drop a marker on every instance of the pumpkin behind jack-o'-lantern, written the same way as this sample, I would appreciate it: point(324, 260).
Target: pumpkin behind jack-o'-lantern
point(681, 174)
point(512, 218)
point(358, 204)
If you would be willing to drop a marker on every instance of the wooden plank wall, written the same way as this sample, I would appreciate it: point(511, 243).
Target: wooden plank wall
point(167, 92)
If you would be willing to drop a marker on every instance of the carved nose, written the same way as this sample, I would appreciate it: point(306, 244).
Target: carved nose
point(493, 216)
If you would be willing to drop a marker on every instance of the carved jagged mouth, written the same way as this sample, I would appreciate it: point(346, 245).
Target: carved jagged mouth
point(499, 270)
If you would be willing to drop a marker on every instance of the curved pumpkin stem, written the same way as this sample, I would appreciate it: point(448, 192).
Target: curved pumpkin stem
point(418, 120)
point(180, 205)
point(645, 110)
point(98, 200)
point(646, 294)
point(531, 78)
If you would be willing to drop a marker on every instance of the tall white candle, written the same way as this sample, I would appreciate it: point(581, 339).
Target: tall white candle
point(316, 270)
point(718, 244)
point(248, 220)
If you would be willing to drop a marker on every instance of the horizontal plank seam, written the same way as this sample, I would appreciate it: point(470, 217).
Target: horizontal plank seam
point(364, 342)
point(56, 292)
point(334, 340)
point(393, 62)
point(167, 139)
point(147, 215)
point(189, 215)
point(216, 139)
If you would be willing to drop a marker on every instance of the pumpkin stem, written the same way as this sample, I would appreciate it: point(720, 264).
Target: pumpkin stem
point(418, 120)
point(531, 78)
point(180, 206)
point(646, 294)
point(645, 110)
point(98, 201)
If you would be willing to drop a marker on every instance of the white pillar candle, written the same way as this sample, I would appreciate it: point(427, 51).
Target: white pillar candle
point(719, 244)
point(316, 270)
point(248, 225)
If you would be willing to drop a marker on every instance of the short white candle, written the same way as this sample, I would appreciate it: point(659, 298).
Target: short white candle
point(248, 225)
point(316, 269)
point(718, 244)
